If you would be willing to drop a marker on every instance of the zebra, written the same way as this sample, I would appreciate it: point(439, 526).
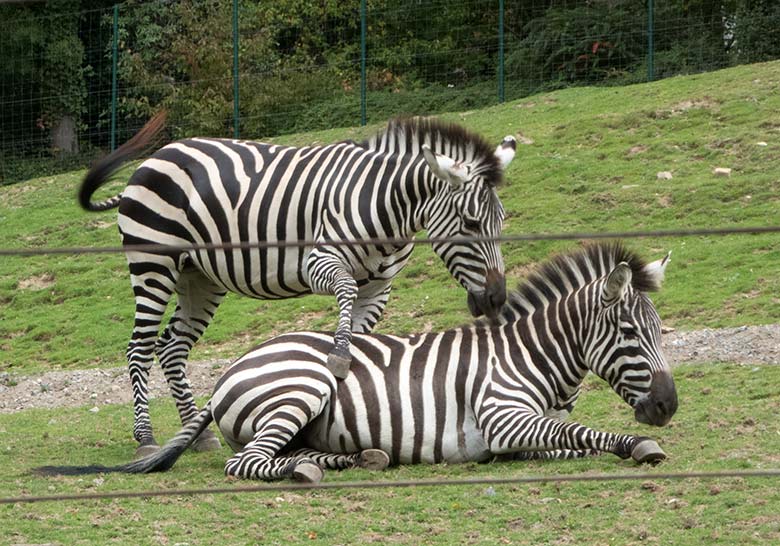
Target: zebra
point(415, 174)
point(500, 389)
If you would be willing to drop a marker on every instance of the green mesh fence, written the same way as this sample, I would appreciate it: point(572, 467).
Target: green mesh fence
point(67, 95)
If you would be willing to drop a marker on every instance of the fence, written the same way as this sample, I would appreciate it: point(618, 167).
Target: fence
point(76, 82)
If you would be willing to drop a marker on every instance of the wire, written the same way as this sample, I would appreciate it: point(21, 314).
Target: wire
point(388, 241)
point(286, 487)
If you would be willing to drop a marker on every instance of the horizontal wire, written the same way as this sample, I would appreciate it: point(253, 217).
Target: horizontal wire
point(287, 487)
point(388, 241)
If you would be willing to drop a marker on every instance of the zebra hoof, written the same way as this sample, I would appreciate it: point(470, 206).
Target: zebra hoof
point(338, 363)
point(648, 451)
point(144, 450)
point(207, 441)
point(373, 459)
point(307, 472)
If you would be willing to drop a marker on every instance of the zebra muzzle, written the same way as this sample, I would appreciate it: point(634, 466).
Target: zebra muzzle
point(489, 301)
point(658, 407)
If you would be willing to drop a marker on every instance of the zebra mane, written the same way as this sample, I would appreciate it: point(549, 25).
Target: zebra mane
point(407, 135)
point(569, 271)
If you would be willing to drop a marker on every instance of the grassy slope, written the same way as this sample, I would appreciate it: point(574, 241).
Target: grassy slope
point(727, 421)
point(592, 167)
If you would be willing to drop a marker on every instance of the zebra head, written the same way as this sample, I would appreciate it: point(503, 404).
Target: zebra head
point(623, 344)
point(467, 205)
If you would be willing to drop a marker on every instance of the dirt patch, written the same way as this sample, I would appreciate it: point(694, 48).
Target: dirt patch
point(684, 106)
point(635, 150)
point(36, 282)
point(750, 345)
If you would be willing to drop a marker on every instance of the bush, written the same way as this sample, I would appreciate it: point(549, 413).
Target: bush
point(580, 45)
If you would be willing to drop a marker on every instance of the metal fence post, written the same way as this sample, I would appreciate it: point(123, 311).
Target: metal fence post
point(500, 50)
point(114, 48)
point(362, 62)
point(650, 44)
point(236, 115)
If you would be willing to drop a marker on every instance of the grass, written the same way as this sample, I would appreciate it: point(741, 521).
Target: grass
point(592, 167)
point(726, 421)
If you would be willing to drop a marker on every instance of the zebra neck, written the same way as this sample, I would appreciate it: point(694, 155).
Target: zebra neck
point(433, 199)
point(553, 335)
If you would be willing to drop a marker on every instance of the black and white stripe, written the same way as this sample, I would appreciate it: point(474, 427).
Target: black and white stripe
point(466, 394)
point(416, 174)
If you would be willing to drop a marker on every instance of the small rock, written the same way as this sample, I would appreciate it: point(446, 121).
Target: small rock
point(94, 409)
point(664, 175)
point(762, 143)
point(722, 171)
point(490, 492)
point(98, 481)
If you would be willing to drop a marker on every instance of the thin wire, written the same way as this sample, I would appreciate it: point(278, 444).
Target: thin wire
point(287, 487)
point(388, 241)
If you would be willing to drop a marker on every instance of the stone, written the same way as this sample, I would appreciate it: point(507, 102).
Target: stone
point(722, 171)
point(664, 175)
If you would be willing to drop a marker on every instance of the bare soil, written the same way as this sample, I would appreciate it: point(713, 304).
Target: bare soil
point(746, 345)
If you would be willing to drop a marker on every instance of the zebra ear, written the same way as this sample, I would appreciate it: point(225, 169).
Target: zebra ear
point(505, 152)
point(617, 282)
point(445, 168)
point(656, 270)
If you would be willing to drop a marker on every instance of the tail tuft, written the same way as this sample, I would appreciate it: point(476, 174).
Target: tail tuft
point(73, 470)
point(104, 168)
point(159, 461)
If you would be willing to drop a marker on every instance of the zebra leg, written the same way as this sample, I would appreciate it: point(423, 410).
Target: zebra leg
point(339, 359)
point(153, 278)
point(547, 455)
point(328, 276)
point(510, 430)
point(259, 459)
point(198, 299)
point(369, 305)
point(370, 459)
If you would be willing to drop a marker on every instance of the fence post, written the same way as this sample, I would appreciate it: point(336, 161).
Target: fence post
point(114, 48)
point(362, 62)
point(500, 50)
point(236, 115)
point(650, 44)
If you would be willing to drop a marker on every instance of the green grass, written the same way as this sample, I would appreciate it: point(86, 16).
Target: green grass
point(592, 167)
point(727, 420)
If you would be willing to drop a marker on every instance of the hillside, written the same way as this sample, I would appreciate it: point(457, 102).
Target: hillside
point(589, 164)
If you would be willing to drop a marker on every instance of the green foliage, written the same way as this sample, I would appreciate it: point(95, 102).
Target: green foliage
point(299, 61)
point(757, 30)
point(577, 45)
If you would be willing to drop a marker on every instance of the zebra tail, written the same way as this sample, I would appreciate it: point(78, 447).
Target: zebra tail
point(104, 168)
point(159, 461)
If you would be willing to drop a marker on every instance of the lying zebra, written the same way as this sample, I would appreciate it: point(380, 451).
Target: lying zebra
point(466, 394)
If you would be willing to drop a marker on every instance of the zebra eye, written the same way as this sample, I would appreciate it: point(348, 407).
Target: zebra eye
point(628, 330)
point(471, 224)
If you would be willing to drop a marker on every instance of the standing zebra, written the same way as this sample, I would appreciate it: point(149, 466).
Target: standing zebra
point(462, 395)
point(416, 174)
